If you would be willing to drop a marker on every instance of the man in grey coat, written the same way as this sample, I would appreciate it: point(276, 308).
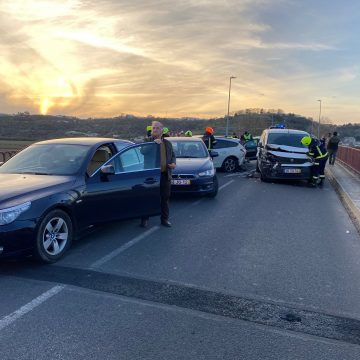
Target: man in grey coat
point(167, 164)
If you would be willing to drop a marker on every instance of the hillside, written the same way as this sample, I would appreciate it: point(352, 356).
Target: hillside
point(38, 127)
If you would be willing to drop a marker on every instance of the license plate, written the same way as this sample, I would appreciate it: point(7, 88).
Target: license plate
point(292, 171)
point(180, 182)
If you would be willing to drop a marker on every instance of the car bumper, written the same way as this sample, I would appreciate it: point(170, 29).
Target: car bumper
point(204, 185)
point(17, 237)
point(282, 172)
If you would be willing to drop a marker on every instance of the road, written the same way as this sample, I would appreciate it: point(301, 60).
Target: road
point(264, 271)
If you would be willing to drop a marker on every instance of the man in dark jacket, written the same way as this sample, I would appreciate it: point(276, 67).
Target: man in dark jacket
point(167, 164)
point(208, 138)
point(332, 147)
point(318, 153)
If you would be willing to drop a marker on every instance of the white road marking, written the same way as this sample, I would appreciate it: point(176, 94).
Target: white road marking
point(9, 319)
point(226, 184)
point(122, 248)
point(118, 251)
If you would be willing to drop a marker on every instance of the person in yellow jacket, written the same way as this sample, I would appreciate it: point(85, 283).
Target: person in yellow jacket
point(319, 154)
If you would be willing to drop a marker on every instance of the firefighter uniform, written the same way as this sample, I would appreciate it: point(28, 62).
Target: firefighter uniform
point(319, 154)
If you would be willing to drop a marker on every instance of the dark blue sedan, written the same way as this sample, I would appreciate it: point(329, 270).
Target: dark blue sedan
point(195, 172)
point(54, 191)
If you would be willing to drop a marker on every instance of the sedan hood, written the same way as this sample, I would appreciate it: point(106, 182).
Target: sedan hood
point(28, 187)
point(285, 148)
point(192, 165)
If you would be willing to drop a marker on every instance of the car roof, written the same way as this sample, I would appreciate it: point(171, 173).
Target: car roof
point(184, 138)
point(88, 141)
point(285, 131)
point(227, 138)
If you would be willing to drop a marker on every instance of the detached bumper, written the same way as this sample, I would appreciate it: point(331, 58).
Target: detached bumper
point(17, 237)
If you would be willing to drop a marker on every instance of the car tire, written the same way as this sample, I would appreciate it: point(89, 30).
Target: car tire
point(216, 188)
point(230, 164)
point(54, 236)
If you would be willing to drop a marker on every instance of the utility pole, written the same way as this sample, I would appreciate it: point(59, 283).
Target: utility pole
point(319, 120)
point(227, 119)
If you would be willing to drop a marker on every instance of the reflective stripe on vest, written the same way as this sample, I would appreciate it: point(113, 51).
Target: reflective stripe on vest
point(321, 154)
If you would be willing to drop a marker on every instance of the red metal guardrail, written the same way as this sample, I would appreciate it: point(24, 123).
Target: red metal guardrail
point(350, 157)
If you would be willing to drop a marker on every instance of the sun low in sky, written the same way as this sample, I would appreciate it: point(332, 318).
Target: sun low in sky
point(174, 58)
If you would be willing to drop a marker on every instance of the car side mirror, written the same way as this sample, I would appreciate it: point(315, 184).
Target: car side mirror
point(213, 153)
point(107, 170)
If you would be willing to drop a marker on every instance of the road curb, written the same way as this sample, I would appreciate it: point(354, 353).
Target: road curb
point(350, 206)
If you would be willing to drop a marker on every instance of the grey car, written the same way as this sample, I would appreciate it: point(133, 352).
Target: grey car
point(281, 155)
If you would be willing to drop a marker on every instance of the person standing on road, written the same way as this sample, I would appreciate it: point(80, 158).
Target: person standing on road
point(166, 132)
point(247, 136)
point(318, 152)
point(167, 164)
point(208, 138)
point(332, 147)
point(148, 131)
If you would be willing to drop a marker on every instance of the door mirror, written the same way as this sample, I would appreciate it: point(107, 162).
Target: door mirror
point(107, 170)
point(213, 153)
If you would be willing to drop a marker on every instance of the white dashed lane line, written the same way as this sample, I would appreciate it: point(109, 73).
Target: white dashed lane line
point(226, 184)
point(9, 319)
point(122, 248)
point(98, 263)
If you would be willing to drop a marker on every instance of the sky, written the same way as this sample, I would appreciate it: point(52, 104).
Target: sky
point(102, 58)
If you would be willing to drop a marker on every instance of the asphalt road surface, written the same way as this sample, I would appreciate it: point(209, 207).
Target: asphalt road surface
point(263, 271)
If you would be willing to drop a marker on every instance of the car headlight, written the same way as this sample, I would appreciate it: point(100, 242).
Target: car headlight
point(209, 172)
point(9, 215)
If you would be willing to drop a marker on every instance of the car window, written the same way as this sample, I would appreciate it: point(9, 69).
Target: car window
point(220, 144)
point(101, 155)
point(141, 157)
point(48, 159)
point(251, 143)
point(122, 145)
point(286, 139)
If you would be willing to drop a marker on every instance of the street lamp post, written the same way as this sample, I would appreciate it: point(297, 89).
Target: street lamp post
point(227, 119)
point(319, 120)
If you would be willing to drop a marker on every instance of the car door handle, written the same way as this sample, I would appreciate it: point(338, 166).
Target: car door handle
point(150, 181)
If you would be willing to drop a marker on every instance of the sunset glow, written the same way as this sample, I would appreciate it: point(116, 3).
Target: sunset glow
point(95, 59)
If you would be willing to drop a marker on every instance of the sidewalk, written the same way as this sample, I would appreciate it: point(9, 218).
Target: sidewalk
point(347, 185)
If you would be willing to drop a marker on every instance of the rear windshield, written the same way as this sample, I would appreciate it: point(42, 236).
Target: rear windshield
point(189, 149)
point(286, 139)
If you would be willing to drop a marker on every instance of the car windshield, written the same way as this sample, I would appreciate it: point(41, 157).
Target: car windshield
point(286, 139)
point(47, 159)
point(189, 149)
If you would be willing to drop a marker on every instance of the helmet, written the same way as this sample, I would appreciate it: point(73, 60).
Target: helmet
point(209, 130)
point(188, 133)
point(166, 130)
point(306, 140)
point(149, 128)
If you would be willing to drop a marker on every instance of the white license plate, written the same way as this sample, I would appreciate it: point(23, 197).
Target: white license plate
point(292, 171)
point(180, 182)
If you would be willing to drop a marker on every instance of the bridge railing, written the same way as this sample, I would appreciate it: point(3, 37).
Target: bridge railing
point(350, 157)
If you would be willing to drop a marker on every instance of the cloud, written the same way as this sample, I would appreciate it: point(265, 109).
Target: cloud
point(91, 58)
